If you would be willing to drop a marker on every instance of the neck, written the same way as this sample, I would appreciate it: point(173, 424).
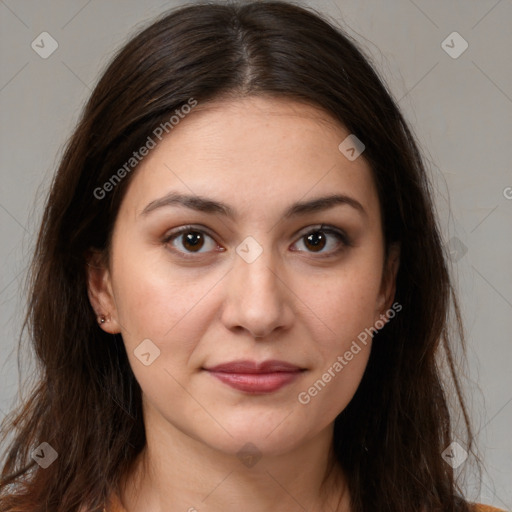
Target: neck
point(178, 472)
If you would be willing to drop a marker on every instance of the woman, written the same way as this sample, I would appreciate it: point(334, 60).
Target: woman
point(239, 290)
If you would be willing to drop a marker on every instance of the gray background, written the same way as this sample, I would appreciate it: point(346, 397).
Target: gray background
point(460, 109)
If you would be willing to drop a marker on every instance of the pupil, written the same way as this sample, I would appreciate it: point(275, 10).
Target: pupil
point(317, 240)
point(191, 240)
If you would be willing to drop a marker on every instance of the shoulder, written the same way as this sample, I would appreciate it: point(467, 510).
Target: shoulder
point(114, 504)
point(486, 508)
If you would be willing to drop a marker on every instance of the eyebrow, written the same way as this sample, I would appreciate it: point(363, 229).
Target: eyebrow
point(206, 205)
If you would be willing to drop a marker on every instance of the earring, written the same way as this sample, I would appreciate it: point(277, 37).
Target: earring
point(102, 319)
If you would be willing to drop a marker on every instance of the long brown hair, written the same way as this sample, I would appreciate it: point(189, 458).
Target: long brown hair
point(87, 403)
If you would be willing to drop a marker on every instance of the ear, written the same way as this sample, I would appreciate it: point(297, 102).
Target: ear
point(99, 290)
point(388, 284)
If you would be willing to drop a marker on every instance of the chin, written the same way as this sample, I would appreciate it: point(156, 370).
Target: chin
point(269, 438)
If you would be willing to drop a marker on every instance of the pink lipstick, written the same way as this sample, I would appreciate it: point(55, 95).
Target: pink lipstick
point(252, 377)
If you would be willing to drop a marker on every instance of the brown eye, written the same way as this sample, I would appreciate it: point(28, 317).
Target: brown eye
point(317, 240)
point(191, 240)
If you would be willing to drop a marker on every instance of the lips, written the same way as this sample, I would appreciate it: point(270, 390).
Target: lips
point(253, 377)
point(271, 366)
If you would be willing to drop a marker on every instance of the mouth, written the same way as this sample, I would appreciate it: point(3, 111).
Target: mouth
point(256, 378)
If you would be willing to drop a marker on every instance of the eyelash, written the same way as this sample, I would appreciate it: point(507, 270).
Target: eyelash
point(342, 238)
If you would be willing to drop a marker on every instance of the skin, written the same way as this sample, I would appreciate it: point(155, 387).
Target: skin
point(258, 155)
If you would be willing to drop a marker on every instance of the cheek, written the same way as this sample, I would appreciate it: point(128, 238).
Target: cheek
point(345, 304)
point(168, 311)
point(170, 306)
point(334, 381)
point(342, 351)
point(153, 299)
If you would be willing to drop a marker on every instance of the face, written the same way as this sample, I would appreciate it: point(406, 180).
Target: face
point(260, 277)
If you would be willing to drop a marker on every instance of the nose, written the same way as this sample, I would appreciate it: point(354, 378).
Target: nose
point(257, 298)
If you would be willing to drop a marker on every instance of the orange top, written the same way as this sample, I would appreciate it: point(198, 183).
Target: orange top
point(116, 506)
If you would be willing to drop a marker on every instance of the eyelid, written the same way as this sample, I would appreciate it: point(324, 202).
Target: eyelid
point(327, 229)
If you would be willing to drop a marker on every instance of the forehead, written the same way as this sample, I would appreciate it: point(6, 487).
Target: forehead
point(253, 153)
